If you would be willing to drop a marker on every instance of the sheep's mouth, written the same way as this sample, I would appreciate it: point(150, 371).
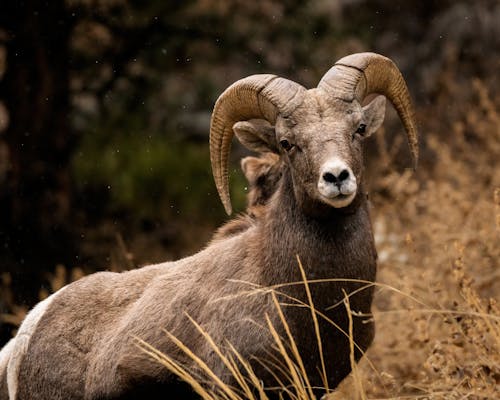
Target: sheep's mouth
point(340, 200)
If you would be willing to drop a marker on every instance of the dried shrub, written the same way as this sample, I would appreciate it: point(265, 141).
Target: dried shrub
point(437, 234)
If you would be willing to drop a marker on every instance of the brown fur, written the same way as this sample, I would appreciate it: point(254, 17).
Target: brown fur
point(263, 174)
point(82, 347)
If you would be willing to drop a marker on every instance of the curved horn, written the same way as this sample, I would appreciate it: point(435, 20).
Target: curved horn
point(257, 96)
point(360, 74)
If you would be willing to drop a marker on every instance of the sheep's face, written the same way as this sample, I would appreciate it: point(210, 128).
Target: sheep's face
point(322, 144)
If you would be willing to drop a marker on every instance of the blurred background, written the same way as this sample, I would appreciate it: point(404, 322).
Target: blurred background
point(104, 118)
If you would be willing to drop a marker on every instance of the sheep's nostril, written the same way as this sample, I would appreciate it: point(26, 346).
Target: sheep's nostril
point(343, 175)
point(332, 178)
point(329, 177)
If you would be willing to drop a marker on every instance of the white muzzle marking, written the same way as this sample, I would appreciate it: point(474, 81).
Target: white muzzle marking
point(337, 183)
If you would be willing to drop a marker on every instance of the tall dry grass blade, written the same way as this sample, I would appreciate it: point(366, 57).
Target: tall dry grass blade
point(278, 364)
point(258, 289)
point(293, 345)
point(297, 383)
point(354, 366)
point(174, 367)
point(241, 379)
point(324, 377)
point(236, 373)
point(443, 311)
point(350, 294)
point(204, 367)
point(250, 372)
point(282, 385)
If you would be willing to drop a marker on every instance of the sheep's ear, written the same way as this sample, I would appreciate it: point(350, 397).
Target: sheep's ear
point(374, 114)
point(256, 135)
point(257, 167)
point(251, 167)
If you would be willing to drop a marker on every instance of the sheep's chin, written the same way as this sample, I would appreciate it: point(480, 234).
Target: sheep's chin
point(339, 201)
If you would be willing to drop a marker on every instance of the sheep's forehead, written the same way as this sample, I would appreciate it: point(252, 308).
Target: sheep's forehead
point(321, 116)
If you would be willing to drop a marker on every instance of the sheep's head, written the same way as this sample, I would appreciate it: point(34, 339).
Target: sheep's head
point(318, 132)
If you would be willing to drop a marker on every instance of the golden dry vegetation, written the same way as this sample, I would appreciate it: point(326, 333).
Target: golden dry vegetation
point(437, 233)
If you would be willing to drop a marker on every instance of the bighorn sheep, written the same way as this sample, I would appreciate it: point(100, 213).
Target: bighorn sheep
point(79, 343)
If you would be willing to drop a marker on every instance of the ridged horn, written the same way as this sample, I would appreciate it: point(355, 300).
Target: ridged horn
point(357, 75)
point(257, 96)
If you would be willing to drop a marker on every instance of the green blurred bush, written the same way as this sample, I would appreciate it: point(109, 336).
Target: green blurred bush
point(151, 175)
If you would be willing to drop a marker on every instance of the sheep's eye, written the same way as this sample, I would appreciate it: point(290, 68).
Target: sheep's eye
point(286, 144)
point(361, 129)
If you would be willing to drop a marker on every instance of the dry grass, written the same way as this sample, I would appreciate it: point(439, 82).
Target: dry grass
point(438, 239)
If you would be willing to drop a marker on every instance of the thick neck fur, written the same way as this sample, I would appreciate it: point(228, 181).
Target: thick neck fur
point(321, 236)
point(331, 244)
